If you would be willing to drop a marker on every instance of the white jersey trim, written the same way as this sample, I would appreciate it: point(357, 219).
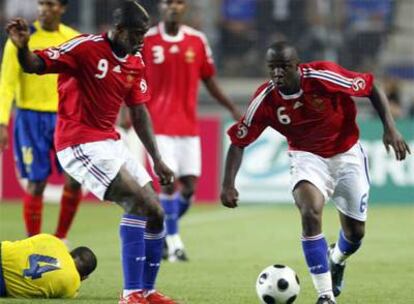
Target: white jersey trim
point(251, 110)
point(70, 45)
point(193, 32)
point(328, 76)
point(152, 31)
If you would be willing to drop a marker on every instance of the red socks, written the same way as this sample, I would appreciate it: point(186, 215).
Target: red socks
point(68, 207)
point(32, 213)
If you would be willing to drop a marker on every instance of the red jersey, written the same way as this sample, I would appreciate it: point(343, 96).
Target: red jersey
point(319, 119)
point(92, 85)
point(174, 67)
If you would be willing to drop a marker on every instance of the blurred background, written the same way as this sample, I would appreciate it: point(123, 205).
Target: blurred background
point(361, 35)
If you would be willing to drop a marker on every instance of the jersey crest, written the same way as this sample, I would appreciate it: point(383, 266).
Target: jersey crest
point(190, 55)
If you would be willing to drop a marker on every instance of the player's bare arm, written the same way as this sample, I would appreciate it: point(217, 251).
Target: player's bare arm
point(229, 194)
point(4, 137)
point(18, 31)
point(143, 126)
point(217, 93)
point(392, 136)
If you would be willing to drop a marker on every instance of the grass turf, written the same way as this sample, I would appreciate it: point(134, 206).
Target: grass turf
point(228, 249)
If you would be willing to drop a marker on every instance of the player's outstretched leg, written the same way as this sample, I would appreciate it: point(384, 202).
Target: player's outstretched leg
point(315, 250)
point(142, 225)
point(137, 206)
point(310, 202)
point(69, 203)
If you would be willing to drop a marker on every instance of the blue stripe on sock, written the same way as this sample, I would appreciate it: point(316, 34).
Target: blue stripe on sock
point(132, 250)
point(315, 250)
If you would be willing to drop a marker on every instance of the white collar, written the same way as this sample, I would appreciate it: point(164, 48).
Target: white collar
point(177, 38)
point(292, 96)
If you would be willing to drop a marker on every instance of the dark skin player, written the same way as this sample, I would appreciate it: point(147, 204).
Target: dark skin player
point(124, 189)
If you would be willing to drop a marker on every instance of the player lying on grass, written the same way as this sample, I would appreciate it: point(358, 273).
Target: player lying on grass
point(42, 267)
point(98, 73)
point(311, 105)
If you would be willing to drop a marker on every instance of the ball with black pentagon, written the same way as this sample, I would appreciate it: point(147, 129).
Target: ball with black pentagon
point(277, 284)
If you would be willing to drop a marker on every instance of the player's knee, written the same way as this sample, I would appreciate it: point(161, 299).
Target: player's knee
point(311, 220)
point(72, 184)
point(169, 189)
point(355, 234)
point(310, 213)
point(188, 191)
point(155, 217)
point(36, 188)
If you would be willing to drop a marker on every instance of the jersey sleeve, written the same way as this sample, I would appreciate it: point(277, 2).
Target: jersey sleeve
point(138, 94)
point(252, 124)
point(208, 68)
point(62, 59)
point(10, 70)
point(333, 78)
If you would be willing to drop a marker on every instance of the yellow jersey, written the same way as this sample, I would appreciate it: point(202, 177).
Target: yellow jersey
point(30, 91)
point(39, 267)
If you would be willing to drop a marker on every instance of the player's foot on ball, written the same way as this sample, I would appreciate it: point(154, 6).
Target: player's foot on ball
point(156, 297)
point(325, 300)
point(337, 273)
point(133, 298)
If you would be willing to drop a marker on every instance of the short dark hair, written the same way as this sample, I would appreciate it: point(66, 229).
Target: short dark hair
point(130, 14)
point(85, 260)
point(64, 2)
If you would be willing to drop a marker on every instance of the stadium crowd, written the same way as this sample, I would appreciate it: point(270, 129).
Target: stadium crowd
point(354, 33)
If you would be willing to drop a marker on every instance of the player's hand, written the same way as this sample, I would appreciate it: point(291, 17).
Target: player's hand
point(18, 31)
point(229, 197)
point(165, 175)
point(394, 139)
point(4, 138)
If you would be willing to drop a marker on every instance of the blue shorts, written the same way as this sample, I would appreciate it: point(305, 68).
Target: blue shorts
point(33, 144)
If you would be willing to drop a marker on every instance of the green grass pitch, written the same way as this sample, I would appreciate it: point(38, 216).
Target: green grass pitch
point(228, 249)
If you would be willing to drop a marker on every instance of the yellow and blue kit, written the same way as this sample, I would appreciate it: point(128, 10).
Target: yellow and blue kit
point(36, 100)
point(38, 267)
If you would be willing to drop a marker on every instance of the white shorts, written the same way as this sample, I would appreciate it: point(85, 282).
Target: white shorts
point(343, 178)
point(96, 164)
point(182, 154)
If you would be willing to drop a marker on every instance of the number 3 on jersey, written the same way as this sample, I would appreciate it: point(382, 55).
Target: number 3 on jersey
point(284, 119)
point(158, 54)
point(40, 264)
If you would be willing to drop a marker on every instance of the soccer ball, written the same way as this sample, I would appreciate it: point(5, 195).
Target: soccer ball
point(277, 284)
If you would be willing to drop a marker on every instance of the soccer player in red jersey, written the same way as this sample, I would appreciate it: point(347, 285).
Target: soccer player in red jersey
point(97, 73)
point(177, 57)
point(311, 105)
